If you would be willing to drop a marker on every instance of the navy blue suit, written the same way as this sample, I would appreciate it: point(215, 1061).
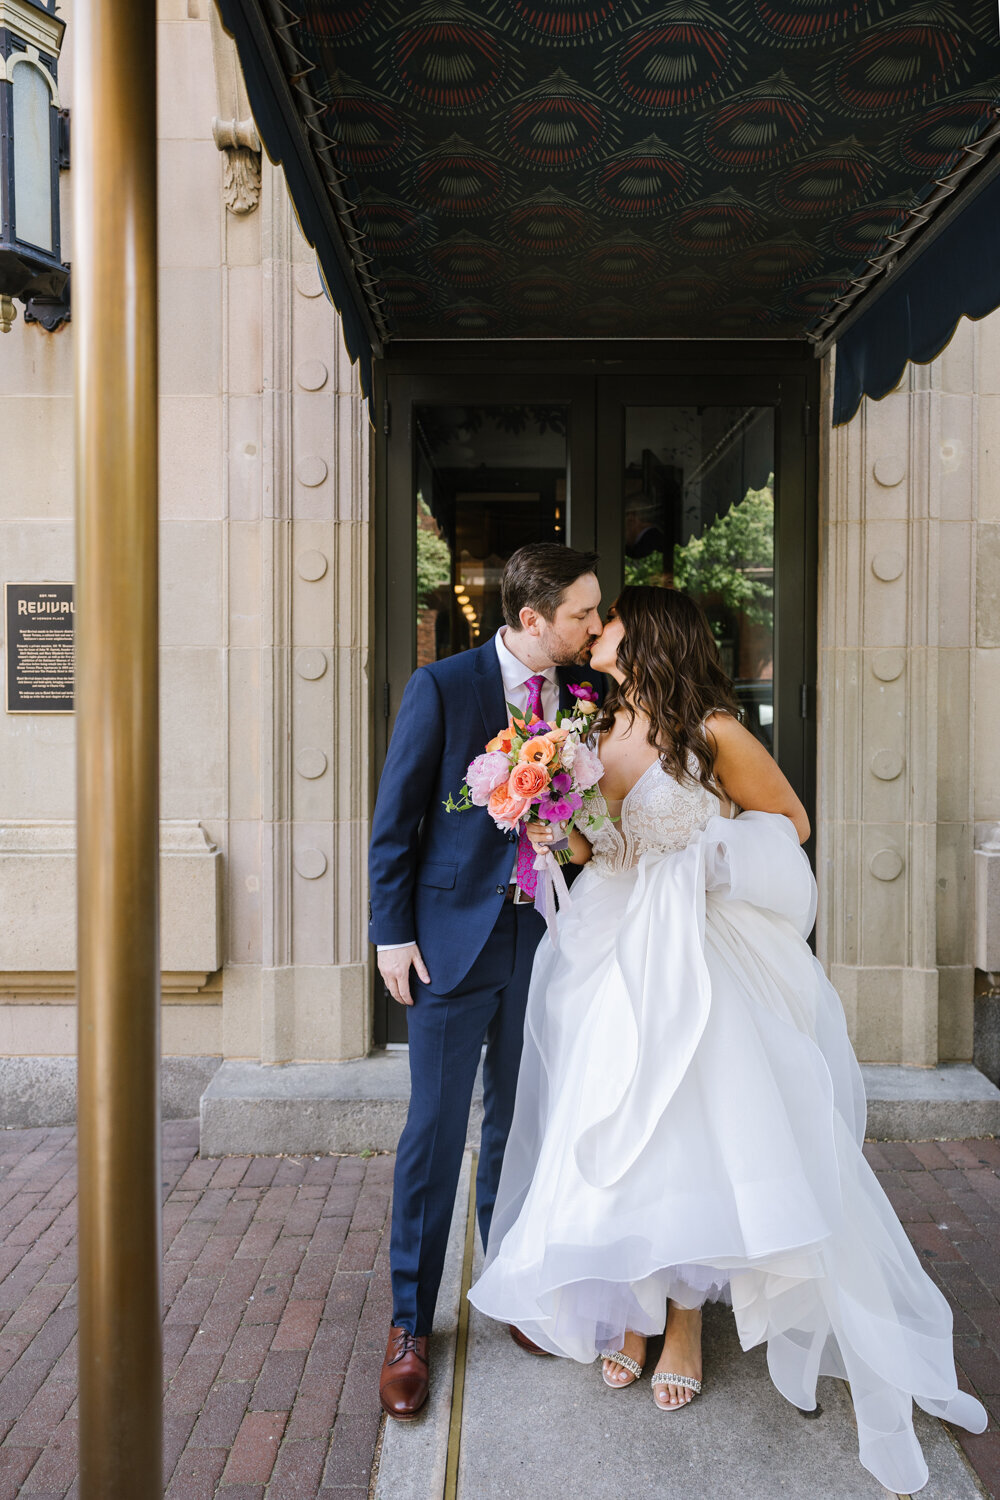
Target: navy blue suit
point(440, 879)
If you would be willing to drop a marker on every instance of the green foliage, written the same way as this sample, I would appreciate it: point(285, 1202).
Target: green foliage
point(728, 559)
point(642, 570)
point(433, 560)
point(464, 803)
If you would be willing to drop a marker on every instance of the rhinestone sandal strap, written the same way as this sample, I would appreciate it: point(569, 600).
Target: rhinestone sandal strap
point(619, 1357)
point(686, 1380)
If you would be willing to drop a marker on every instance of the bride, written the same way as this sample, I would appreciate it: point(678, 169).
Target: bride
point(689, 1111)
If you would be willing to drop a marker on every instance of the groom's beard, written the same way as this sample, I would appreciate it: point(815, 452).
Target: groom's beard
point(561, 653)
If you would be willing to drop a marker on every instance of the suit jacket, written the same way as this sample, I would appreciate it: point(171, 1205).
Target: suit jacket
point(439, 877)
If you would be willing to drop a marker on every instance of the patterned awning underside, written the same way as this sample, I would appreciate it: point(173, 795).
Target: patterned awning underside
point(615, 168)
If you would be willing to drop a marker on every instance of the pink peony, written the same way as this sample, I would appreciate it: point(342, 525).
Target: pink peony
point(587, 768)
point(486, 773)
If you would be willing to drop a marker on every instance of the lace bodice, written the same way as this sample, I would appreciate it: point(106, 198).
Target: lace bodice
point(658, 815)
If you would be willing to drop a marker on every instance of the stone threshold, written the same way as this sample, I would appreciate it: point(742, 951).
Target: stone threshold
point(344, 1107)
point(355, 1106)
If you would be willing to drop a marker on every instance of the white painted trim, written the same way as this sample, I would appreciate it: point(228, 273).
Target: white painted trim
point(33, 26)
point(32, 59)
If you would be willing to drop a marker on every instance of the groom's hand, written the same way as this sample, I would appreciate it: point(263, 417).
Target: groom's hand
point(394, 967)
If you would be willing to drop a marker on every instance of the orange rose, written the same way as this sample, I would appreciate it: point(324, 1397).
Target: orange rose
point(528, 780)
point(539, 750)
point(502, 741)
point(558, 735)
point(506, 809)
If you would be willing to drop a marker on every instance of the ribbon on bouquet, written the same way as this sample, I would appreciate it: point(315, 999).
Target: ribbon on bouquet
point(551, 884)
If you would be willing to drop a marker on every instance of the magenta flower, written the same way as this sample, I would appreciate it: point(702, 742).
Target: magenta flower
point(585, 690)
point(562, 781)
point(485, 774)
point(561, 809)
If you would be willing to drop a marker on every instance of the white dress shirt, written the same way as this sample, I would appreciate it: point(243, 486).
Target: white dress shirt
point(515, 691)
point(515, 681)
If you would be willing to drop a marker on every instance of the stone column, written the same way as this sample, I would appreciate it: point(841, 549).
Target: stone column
point(986, 702)
point(897, 564)
point(297, 983)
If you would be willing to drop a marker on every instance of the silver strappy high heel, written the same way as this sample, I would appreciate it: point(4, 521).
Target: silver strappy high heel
point(684, 1380)
point(619, 1357)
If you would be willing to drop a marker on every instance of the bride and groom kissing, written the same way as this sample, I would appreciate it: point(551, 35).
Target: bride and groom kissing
point(672, 1109)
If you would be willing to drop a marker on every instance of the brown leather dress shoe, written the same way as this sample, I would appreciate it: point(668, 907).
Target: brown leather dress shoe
point(405, 1380)
point(523, 1340)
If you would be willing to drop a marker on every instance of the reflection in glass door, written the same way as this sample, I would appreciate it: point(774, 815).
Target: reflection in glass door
point(703, 485)
point(488, 479)
point(698, 515)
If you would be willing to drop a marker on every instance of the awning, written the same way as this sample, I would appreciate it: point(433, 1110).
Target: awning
point(956, 274)
point(603, 169)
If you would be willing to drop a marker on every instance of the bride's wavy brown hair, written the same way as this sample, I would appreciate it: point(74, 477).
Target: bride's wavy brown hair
point(673, 674)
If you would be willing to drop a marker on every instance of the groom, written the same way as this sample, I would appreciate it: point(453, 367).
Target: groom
point(455, 939)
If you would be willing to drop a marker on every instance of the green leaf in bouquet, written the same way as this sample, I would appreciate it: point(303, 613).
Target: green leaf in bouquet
point(464, 802)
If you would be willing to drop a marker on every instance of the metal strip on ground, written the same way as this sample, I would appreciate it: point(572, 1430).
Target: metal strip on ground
point(461, 1343)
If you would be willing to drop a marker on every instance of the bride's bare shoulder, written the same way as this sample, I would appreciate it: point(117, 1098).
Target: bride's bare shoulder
point(724, 729)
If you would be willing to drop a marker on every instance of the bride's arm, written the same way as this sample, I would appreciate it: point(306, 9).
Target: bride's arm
point(541, 837)
point(749, 776)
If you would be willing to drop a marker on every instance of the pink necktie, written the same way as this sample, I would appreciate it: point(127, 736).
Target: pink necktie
point(527, 877)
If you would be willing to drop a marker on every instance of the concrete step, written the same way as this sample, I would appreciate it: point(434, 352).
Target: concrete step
point(37, 1093)
point(354, 1106)
point(300, 1107)
point(946, 1103)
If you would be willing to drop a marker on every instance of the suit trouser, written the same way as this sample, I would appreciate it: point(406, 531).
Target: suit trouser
point(446, 1034)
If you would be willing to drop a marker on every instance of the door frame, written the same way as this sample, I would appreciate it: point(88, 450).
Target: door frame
point(763, 372)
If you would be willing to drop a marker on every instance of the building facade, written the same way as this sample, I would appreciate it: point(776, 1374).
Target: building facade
point(276, 612)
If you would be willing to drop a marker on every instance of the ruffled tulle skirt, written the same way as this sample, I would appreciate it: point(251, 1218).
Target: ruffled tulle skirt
point(688, 1124)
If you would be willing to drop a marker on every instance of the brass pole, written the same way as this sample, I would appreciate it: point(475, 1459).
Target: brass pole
point(118, 970)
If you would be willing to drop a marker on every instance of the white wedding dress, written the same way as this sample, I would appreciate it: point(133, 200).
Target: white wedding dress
point(688, 1124)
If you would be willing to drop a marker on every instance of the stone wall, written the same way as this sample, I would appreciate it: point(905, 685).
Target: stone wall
point(909, 709)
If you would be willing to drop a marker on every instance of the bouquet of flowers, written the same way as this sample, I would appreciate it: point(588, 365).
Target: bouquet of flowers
point(533, 769)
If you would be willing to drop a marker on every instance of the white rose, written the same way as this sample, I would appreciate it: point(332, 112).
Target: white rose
point(586, 707)
point(567, 753)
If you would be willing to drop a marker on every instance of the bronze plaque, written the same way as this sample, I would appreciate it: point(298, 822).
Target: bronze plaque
point(39, 656)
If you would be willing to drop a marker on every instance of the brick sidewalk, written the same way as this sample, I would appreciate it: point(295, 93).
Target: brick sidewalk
point(276, 1296)
point(276, 1308)
point(947, 1195)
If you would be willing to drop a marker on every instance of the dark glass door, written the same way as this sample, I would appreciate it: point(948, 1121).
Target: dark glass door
point(474, 470)
point(703, 488)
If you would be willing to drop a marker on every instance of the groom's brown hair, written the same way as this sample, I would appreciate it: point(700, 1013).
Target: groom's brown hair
point(537, 577)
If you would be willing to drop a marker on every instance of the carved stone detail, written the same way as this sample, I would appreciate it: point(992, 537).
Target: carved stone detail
point(886, 864)
point(233, 127)
point(240, 147)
